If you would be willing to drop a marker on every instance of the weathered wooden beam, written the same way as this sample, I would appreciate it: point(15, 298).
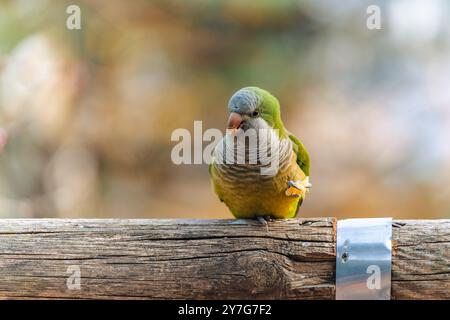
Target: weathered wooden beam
point(421, 259)
point(205, 259)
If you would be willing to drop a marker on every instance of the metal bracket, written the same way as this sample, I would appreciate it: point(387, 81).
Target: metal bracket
point(363, 259)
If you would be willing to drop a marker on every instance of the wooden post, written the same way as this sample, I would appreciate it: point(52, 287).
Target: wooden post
point(204, 259)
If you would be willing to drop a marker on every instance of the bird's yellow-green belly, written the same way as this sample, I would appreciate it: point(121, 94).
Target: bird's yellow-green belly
point(274, 204)
point(250, 196)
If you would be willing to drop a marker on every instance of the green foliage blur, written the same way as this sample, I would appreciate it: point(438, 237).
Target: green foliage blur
point(86, 115)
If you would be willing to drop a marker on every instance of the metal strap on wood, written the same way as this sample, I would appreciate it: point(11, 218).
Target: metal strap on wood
point(363, 259)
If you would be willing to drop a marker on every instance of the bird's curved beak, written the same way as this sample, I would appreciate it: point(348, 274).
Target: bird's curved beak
point(234, 122)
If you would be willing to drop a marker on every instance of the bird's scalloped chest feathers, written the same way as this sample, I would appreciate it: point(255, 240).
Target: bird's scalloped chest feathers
point(249, 194)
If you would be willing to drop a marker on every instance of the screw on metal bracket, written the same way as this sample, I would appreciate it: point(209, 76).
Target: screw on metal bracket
point(344, 257)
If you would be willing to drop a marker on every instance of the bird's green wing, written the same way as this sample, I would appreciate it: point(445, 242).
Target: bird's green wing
point(302, 161)
point(302, 154)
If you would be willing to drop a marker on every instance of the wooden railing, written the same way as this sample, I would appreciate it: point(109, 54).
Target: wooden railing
point(204, 259)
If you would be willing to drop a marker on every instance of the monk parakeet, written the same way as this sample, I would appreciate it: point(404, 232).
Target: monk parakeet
point(244, 187)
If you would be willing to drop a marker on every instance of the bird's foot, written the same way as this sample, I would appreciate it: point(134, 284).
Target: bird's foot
point(298, 188)
point(264, 220)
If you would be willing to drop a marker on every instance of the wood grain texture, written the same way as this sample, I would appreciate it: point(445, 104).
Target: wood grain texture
point(205, 259)
point(168, 259)
point(421, 259)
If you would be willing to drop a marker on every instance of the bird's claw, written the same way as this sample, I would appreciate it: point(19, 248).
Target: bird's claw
point(264, 220)
point(298, 188)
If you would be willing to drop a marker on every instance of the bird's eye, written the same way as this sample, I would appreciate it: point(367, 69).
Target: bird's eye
point(255, 113)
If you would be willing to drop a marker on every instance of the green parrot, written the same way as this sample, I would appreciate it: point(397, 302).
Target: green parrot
point(243, 186)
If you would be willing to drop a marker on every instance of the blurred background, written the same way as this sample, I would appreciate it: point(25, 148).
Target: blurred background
point(86, 115)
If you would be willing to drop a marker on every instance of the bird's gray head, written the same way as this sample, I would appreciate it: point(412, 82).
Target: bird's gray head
point(244, 110)
point(244, 101)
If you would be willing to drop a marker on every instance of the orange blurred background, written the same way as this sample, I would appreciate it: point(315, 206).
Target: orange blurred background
point(86, 115)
